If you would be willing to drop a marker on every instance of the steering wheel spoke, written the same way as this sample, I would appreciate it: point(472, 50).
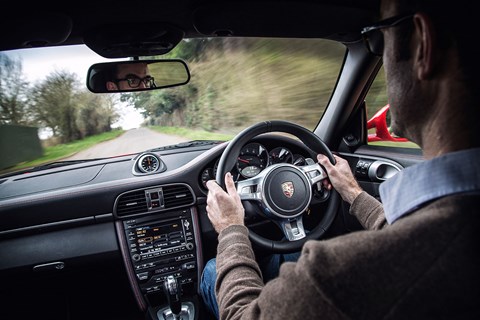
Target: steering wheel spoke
point(293, 228)
point(250, 189)
point(315, 173)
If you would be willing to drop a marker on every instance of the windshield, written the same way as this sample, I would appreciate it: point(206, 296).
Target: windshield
point(47, 114)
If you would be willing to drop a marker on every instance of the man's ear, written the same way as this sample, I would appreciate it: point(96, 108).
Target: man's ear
point(424, 52)
point(111, 86)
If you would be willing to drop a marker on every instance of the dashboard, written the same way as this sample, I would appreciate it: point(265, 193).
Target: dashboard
point(143, 215)
point(128, 223)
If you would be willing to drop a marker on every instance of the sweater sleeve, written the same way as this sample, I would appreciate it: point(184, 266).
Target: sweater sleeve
point(241, 293)
point(369, 211)
point(239, 279)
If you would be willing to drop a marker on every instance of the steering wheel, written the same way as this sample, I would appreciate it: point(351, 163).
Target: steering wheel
point(283, 191)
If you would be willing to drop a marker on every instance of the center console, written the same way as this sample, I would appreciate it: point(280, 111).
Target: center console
point(163, 247)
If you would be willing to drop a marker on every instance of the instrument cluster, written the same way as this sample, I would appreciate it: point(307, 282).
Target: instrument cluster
point(253, 158)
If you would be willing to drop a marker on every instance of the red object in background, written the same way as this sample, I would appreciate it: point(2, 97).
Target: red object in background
point(379, 122)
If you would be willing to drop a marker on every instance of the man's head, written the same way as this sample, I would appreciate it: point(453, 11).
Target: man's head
point(130, 76)
point(428, 62)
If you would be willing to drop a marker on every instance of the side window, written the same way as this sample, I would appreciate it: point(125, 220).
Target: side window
point(378, 116)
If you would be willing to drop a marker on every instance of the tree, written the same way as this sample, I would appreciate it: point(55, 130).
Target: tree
point(191, 49)
point(55, 102)
point(96, 114)
point(13, 88)
point(159, 104)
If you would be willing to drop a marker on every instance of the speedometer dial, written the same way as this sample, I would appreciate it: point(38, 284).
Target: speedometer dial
point(281, 155)
point(252, 160)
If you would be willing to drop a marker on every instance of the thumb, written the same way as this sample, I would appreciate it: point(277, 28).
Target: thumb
point(229, 184)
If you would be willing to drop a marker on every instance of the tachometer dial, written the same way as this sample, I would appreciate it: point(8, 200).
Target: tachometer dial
point(281, 155)
point(148, 163)
point(252, 160)
point(299, 160)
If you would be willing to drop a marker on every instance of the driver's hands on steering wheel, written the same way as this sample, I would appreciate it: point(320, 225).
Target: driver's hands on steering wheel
point(224, 208)
point(341, 177)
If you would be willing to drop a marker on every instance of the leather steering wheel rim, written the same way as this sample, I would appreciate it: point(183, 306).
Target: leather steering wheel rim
point(227, 162)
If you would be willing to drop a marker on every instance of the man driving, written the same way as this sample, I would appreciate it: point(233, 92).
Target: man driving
point(130, 76)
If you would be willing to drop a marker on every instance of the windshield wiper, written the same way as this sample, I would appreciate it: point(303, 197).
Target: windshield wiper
point(188, 144)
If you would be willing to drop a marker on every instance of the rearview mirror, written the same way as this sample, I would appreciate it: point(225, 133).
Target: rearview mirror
point(136, 75)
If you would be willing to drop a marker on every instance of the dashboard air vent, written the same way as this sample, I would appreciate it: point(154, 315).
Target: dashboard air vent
point(177, 195)
point(157, 198)
point(131, 203)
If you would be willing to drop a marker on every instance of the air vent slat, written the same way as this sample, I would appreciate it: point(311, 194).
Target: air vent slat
point(131, 203)
point(177, 195)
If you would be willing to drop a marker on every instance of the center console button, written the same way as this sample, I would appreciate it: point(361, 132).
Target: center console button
point(143, 276)
point(136, 257)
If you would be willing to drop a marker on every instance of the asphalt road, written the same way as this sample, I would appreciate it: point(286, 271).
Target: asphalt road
point(132, 141)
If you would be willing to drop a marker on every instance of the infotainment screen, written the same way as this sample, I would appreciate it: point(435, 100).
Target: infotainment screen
point(153, 238)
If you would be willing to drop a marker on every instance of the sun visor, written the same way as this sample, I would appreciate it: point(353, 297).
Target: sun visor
point(34, 30)
point(305, 20)
point(146, 39)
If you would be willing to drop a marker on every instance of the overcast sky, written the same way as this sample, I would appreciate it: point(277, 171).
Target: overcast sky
point(38, 63)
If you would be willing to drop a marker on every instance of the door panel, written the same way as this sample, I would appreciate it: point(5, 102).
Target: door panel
point(374, 165)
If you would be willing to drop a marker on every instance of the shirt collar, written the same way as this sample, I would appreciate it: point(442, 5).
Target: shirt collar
point(415, 186)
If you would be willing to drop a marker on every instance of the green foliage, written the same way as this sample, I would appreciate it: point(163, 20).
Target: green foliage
point(61, 151)
point(236, 82)
point(13, 88)
point(377, 94)
point(96, 114)
point(210, 117)
point(190, 49)
point(56, 103)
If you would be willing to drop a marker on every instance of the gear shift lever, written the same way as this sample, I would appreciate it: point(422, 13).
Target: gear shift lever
point(172, 290)
point(176, 310)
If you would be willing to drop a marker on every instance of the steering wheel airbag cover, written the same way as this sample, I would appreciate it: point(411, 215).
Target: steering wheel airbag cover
point(287, 192)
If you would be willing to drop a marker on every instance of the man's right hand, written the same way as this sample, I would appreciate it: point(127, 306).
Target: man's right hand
point(340, 176)
point(224, 208)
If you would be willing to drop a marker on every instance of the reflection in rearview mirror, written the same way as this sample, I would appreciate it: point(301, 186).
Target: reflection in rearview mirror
point(128, 76)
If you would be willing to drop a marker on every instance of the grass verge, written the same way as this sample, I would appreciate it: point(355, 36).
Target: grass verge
point(63, 150)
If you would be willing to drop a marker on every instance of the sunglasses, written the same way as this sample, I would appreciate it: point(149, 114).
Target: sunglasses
point(373, 36)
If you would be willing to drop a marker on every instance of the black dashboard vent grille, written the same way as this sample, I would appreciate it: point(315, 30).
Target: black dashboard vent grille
point(177, 196)
point(131, 203)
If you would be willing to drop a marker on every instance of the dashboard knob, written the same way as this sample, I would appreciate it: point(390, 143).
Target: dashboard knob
point(136, 257)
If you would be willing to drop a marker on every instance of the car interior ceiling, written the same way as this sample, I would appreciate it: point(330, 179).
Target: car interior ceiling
point(53, 25)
